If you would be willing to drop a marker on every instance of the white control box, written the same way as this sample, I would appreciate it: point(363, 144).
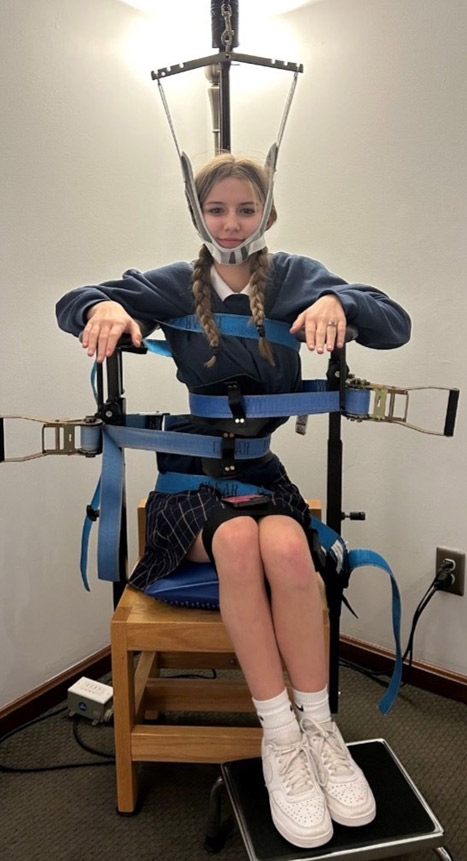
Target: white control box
point(91, 699)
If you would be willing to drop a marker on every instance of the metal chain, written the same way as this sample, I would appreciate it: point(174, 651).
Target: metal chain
point(228, 34)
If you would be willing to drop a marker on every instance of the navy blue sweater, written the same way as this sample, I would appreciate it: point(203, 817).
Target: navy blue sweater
point(294, 284)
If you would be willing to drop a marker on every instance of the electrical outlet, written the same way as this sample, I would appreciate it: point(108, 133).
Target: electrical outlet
point(458, 557)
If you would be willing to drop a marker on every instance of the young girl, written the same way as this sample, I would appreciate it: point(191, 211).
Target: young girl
point(269, 596)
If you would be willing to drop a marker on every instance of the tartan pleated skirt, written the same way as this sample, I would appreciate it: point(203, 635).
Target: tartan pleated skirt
point(173, 520)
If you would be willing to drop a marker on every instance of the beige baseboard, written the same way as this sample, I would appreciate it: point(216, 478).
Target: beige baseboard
point(429, 677)
point(51, 693)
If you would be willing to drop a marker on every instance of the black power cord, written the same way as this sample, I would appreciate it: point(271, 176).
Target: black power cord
point(108, 757)
point(444, 578)
point(10, 769)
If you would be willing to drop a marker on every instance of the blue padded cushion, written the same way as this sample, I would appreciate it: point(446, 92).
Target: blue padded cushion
point(193, 584)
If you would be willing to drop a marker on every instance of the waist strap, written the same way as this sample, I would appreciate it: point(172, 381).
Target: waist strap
point(313, 399)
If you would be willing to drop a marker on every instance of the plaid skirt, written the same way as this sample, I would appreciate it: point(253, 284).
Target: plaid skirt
point(173, 520)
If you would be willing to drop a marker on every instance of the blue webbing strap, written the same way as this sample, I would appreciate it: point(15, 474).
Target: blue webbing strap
point(228, 324)
point(314, 398)
point(112, 479)
point(357, 559)
point(87, 526)
point(114, 439)
point(178, 482)
point(172, 442)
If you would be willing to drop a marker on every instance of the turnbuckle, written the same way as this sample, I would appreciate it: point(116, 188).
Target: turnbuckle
point(63, 437)
point(384, 405)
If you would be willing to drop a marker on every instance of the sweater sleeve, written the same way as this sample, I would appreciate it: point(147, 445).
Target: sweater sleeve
point(148, 297)
point(298, 282)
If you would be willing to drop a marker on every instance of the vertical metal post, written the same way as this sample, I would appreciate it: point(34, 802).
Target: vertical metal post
point(224, 24)
point(224, 94)
point(112, 411)
point(337, 372)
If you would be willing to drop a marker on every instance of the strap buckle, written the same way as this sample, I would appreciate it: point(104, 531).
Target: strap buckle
point(384, 405)
point(63, 440)
point(228, 465)
point(236, 405)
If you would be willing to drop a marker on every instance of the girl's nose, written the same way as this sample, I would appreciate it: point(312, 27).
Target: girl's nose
point(231, 221)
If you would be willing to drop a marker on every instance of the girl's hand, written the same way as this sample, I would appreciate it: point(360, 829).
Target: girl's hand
point(107, 322)
point(324, 323)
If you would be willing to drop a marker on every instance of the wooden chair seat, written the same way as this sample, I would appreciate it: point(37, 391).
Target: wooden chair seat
point(175, 638)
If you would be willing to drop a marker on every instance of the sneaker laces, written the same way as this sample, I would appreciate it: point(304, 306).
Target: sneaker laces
point(331, 752)
point(297, 767)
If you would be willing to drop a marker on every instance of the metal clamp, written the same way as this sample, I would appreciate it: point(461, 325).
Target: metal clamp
point(384, 405)
point(64, 437)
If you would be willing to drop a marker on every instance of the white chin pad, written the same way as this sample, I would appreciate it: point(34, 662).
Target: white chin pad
point(255, 242)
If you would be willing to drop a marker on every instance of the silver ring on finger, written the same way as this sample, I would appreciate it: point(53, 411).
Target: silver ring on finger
point(332, 323)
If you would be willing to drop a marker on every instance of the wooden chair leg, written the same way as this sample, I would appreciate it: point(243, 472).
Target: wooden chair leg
point(123, 675)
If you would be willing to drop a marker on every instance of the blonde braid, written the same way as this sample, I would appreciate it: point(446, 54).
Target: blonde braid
point(259, 265)
point(202, 291)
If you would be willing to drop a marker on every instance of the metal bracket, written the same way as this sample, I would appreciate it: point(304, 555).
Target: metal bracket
point(225, 58)
point(64, 437)
point(384, 405)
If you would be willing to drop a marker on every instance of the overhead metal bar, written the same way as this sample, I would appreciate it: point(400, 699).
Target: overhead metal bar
point(226, 58)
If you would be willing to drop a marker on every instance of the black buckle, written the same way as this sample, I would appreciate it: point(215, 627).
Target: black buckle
point(92, 513)
point(236, 403)
point(228, 465)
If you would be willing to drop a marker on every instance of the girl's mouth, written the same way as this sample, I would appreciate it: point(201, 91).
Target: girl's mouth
point(230, 243)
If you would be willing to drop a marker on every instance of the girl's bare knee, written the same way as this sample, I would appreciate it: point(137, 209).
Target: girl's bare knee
point(286, 554)
point(236, 541)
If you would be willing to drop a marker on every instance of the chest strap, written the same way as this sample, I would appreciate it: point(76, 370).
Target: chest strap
point(237, 325)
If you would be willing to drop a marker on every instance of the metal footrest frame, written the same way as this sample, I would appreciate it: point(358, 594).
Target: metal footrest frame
point(404, 821)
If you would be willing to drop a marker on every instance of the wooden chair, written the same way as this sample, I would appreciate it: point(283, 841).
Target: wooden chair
point(177, 638)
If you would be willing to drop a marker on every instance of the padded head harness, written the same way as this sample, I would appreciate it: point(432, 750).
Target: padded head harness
point(256, 241)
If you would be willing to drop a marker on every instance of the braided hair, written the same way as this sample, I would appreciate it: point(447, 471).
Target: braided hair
point(219, 168)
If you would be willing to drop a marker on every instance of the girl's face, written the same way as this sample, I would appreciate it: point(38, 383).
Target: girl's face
point(232, 211)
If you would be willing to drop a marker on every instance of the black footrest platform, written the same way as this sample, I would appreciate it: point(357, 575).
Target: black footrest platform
point(404, 822)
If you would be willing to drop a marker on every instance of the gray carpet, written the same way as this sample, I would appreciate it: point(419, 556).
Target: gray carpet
point(70, 815)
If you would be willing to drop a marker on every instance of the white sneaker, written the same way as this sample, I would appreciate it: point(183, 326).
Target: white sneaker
point(349, 798)
point(298, 806)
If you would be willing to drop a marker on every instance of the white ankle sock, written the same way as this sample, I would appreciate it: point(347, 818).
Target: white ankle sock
point(314, 704)
point(278, 718)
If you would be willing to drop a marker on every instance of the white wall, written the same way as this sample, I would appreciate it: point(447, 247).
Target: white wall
point(370, 181)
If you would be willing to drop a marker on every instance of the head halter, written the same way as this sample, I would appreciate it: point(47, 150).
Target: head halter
point(256, 241)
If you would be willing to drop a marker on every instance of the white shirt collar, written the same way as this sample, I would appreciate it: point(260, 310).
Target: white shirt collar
point(222, 289)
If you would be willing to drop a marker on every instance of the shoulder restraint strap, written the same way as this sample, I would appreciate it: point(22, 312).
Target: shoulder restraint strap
point(228, 324)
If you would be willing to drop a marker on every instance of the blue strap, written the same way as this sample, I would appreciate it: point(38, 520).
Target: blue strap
point(314, 398)
point(357, 559)
point(237, 325)
point(183, 443)
point(112, 481)
point(87, 526)
point(178, 482)
point(115, 439)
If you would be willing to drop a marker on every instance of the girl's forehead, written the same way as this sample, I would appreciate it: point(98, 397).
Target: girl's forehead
point(233, 187)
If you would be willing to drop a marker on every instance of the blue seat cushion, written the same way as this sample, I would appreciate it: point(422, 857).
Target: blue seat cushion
point(192, 584)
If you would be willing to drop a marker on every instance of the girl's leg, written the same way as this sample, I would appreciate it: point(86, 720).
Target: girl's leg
point(298, 624)
point(295, 601)
point(244, 604)
point(298, 806)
